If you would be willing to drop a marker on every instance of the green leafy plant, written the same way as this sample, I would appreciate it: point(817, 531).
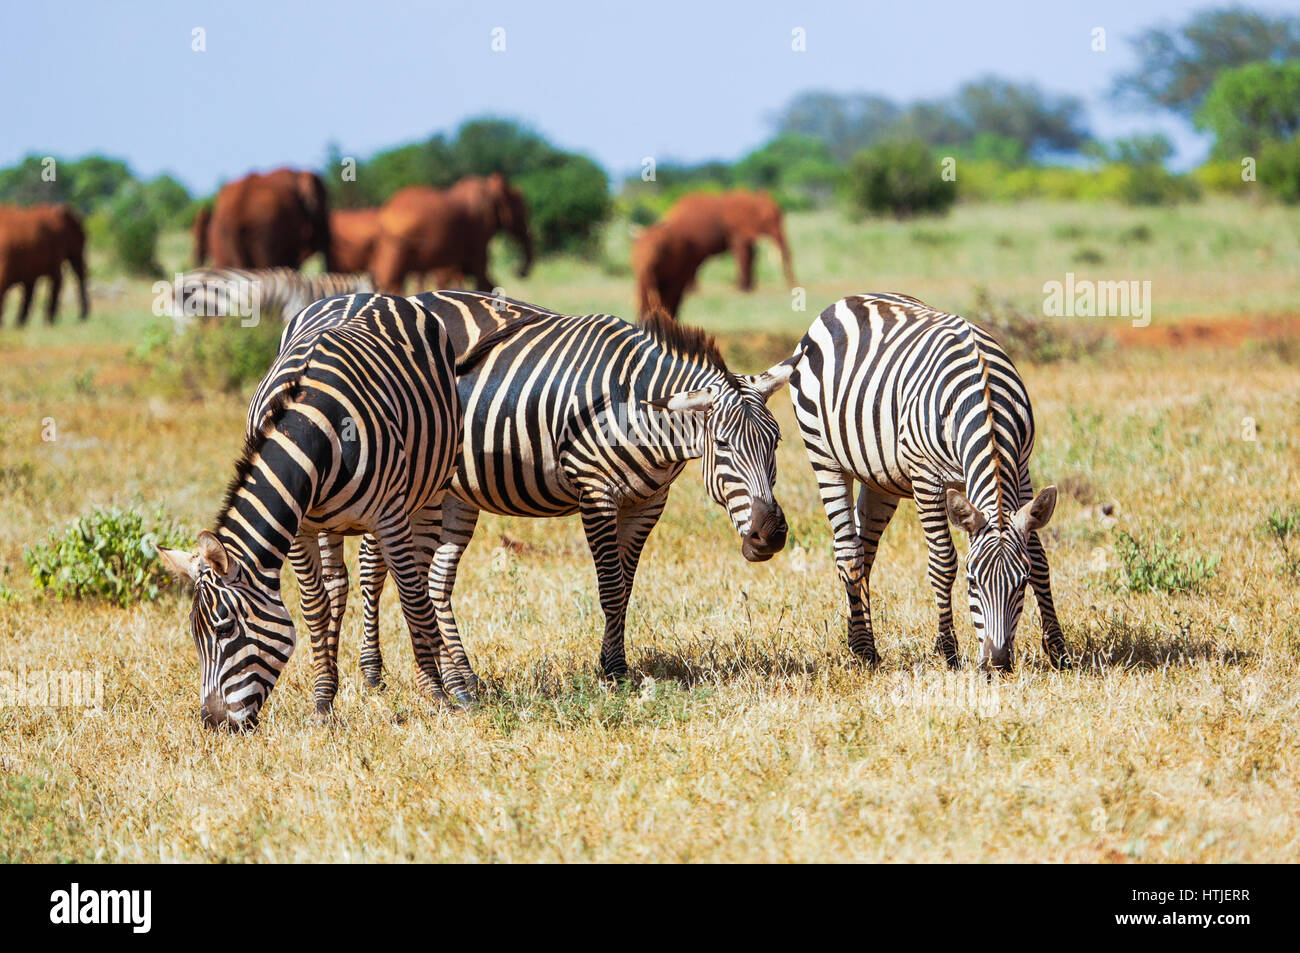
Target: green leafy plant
point(1283, 528)
point(110, 554)
point(1160, 567)
point(221, 355)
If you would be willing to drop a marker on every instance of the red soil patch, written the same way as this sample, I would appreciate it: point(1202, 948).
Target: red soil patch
point(1221, 333)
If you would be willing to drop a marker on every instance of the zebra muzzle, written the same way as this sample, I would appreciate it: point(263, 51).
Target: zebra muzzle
point(767, 532)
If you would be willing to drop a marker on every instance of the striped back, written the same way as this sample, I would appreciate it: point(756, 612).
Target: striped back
point(631, 404)
point(355, 426)
point(251, 294)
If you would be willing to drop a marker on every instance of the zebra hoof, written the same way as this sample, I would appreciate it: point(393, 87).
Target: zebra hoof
point(375, 682)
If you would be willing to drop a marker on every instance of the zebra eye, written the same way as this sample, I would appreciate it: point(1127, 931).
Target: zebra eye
point(225, 623)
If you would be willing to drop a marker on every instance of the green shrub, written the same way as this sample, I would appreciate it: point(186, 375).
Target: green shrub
point(1152, 184)
point(217, 355)
point(1160, 567)
point(901, 178)
point(1283, 528)
point(132, 226)
point(1279, 170)
point(110, 554)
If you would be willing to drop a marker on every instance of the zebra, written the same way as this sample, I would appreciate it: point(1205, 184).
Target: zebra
point(245, 292)
point(555, 424)
point(354, 429)
point(910, 401)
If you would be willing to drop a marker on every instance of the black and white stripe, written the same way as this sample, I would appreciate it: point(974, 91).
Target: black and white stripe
point(909, 401)
point(275, 293)
point(354, 430)
point(595, 416)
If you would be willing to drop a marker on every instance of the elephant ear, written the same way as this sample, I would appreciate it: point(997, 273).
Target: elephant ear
point(312, 191)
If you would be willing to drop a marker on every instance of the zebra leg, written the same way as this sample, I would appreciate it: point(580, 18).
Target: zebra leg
point(875, 510)
point(600, 523)
point(1040, 578)
point(305, 556)
point(932, 507)
point(836, 488)
point(334, 574)
point(373, 576)
point(458, 522)
point(397, 543)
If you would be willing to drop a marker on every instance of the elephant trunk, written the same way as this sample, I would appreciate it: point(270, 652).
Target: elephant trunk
point(525, 238)
point(787, 264)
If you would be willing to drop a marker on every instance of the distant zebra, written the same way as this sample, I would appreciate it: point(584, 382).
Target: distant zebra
point(910, 401)
point(206, 293)
point(354, 429)
point(558, 421)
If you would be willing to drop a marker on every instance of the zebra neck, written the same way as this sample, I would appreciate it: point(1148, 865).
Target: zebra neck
point(976, 453)
point(264, 509)
point(674, 436)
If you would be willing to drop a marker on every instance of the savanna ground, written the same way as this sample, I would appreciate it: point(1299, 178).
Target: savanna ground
point(746, 733)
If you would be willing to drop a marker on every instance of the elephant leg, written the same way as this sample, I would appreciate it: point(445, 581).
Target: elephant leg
point(389, 265)
point(26, 305)
point(743, 249)
point(52, 303)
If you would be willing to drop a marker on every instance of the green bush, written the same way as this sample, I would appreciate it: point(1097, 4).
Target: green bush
point(1279, 170)
point(110, 554)
point(568, 199)
point(1284, 529)
point(1152, 184)
point(132, 227)
point(217, 355)
point(1160, 567)
point(901, 178)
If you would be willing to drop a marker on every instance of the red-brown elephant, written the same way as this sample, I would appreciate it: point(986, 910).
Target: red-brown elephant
point(354, 233)
point(273, 220)
point(667, 255)
point(34, 243)
point(447, 231)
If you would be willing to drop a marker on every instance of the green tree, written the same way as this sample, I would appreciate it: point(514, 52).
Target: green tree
point(790, 161)
point(1180, 64)
point(568, 199)
point(1251, 105)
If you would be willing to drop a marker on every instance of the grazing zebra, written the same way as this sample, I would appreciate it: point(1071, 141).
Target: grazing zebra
point(910, 401)
point(241, 292)
point(354, 430)
point(557, 422)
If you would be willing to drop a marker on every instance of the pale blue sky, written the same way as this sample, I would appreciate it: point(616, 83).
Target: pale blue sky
point(682, 80)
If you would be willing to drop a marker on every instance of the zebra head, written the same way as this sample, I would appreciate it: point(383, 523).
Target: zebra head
point(998, 569)
point(242, 631)
point(737, 447)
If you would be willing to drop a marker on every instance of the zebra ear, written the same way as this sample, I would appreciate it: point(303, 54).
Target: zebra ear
point(179, 563)
point(963, 514)
point(701, 399)
point(1034, 515)
point(213, 552)
point(771, 380)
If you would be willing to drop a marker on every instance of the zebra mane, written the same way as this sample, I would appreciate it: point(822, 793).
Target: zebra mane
point(253, 444)
point(692, 344)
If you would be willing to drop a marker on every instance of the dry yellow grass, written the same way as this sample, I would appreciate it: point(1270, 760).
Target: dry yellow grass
point(747, 735)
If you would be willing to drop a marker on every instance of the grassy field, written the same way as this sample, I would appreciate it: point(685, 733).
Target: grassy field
point(746, 733)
